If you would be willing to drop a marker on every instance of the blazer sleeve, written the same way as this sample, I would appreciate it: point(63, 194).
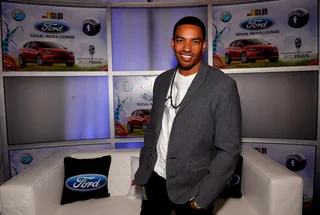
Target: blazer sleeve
point(149, 134)
point(228, 120)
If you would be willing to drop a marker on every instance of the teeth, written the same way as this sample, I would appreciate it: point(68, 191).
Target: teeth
point(186, 56)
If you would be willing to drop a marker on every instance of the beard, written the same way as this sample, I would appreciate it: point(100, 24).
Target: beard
point(188, 64)
point(186, 67)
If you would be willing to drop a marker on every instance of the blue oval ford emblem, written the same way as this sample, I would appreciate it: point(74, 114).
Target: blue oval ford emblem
point(257, 23)
point(233, 180)
point(86, 182)
point(52, 27)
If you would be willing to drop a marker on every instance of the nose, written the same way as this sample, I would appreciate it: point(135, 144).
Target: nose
point(187, 46)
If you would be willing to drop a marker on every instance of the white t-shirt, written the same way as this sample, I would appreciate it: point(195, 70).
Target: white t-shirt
point(179, 88)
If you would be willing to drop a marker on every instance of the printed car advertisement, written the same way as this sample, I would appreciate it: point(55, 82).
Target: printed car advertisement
point(297, 158)
point(270, 34)
point(23, 159)
point(133, 96)
point(47, 38)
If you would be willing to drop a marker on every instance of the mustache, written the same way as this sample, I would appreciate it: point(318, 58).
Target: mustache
point(186, 53)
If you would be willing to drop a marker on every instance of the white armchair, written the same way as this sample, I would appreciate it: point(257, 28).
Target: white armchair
point(268, 188)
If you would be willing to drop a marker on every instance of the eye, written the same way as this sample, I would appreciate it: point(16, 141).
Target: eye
point(196, 41)
point(179, 41)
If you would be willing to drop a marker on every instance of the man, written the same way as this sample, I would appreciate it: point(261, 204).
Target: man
point(193, 140)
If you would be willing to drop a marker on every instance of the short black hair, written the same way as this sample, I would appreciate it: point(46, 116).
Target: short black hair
point(190, 20)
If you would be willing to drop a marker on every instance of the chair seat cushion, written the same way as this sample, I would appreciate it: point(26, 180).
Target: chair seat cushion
point(113, 205)
point(234, 206)
point(116, 205)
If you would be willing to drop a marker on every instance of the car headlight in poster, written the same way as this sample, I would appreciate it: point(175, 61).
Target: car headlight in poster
point(133, 96)
point(297, 158)
point(48, 38)
point(270, 34)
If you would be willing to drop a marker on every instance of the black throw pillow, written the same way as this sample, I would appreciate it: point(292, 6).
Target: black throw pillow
point(233, 187)
point(85, 179)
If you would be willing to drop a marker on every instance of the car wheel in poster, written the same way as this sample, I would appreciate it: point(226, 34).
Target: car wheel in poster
point(40, 60)
point(129, 127)
point(273, 59)
point(244, 57)
point(144, 125)
point(70, 64)
point(22, 62)
point(227, 59)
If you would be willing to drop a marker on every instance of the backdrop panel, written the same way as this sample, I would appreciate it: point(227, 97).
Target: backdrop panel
point(141, 36)
point(270, 34)
point(280, 105)
point(45, 109)
point(47, 38)
point(133, 97)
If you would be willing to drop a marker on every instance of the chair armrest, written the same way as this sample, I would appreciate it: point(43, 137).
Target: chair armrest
point(37, 190)
point(270, 188)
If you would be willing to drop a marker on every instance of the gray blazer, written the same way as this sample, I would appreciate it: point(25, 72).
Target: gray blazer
point(205, 141)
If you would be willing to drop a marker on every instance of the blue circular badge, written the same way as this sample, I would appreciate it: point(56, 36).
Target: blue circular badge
point(225, 16)
point(298, 18)
point(18, 14)
point(26, 158)
point(91, 26)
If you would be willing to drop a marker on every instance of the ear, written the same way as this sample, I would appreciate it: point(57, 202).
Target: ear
point(204, 45)
point(172, 43)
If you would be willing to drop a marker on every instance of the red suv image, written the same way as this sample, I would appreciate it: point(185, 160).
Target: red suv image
point(138, 119)
point(249, 50)
point(45, 52)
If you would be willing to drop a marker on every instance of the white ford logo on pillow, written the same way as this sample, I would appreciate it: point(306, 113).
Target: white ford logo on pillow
point(86, 182)
point(233, 180)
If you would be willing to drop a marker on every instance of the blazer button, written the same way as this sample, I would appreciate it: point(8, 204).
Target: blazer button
point(172, 158)
point(172, 176)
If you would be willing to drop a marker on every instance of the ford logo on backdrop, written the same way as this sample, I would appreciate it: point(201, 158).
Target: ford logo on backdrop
point(52, 27)
point(257, 23)
point(86, 182)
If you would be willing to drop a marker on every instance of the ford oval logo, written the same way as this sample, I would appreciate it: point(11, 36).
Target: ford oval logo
point(233, 180)
point(52, 27)
point(257, 23)
point(86, 182)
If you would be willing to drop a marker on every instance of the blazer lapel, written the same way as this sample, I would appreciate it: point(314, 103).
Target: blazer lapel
point(197, 81)
point(162, 93)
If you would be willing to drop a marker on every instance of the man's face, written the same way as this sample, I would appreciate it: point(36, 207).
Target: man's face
point(188, 45)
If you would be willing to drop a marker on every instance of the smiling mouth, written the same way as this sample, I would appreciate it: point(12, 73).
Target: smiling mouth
point(186, 57)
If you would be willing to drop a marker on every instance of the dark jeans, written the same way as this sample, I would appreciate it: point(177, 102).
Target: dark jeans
point(158, 202)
